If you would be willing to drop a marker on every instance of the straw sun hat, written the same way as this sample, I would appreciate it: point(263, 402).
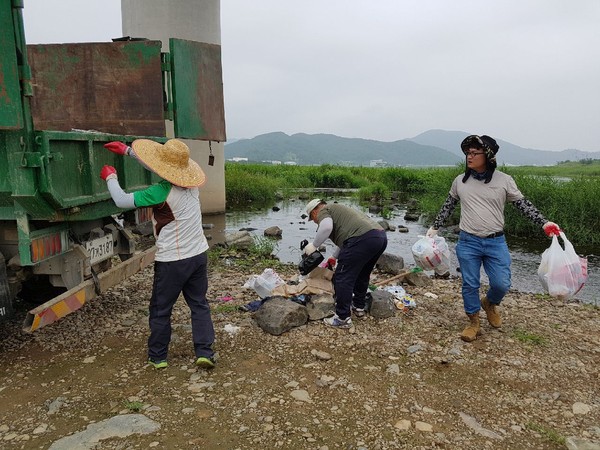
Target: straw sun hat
point(170, 161)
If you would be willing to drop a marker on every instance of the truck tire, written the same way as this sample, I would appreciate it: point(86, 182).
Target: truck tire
point(6, 308)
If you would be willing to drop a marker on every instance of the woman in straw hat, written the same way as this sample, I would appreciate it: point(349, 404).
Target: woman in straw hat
point(181, 260)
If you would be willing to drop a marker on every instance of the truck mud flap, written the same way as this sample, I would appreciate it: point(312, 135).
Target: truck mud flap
point(6, 309)
point(76, 297)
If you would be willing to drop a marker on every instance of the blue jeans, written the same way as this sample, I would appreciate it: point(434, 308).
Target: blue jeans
point(356, 261)
point(190, 277)
point(473, 251)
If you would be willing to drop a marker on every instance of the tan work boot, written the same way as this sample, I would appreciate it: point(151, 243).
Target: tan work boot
point(473, 330)
point(493, 316)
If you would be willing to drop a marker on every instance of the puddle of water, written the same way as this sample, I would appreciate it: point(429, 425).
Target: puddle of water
point(525, 256)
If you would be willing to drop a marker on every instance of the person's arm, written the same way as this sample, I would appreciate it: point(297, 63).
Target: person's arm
point(527, 209)
point(445, 211)
point(119, 196)
point(121, 199)
point(323, 232)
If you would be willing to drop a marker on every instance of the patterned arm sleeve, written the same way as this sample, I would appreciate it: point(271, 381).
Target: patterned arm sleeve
point(531, 212)
point(446, 210)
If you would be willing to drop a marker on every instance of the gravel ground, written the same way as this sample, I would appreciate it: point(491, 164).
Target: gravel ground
point(402, 382)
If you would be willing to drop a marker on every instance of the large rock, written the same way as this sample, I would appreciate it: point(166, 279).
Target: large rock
point(320, 306)
point(115, 427)
point(278, 315)
point(273, 231)
point(382, 304)
point(390, 263)
point(418, 279)
point(239, 239)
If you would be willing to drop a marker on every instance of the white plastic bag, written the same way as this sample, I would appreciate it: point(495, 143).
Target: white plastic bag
point(432, 254)
point(562, 272)
point(264, 283)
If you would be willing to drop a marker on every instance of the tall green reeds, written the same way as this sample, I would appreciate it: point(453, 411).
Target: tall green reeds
point(245, 187)
point(573, 204)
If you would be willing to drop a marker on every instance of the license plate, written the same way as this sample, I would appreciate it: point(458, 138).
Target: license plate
point(100, 249)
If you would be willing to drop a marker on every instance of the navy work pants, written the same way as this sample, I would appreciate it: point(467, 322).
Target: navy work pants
point(356, 261)
point(190, 277)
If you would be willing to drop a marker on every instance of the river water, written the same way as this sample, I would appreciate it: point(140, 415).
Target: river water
point(525, 254)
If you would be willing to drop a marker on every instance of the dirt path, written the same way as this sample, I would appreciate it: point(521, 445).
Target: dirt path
point(395, 383)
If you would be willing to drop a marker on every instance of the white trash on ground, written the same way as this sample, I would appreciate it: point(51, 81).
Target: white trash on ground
point(264, 283)
point(231, 329)
point(402, 300)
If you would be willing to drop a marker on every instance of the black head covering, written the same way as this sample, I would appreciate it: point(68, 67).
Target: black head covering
point(489, 146)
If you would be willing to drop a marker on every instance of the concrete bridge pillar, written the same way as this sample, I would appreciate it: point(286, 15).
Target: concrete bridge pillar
point(194, 20)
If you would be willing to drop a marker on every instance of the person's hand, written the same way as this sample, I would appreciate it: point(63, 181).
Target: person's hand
point(331, 261)
point(117, 147)
point(431, 233)
point(108, 173)
point(309, 249)
point(551, 229)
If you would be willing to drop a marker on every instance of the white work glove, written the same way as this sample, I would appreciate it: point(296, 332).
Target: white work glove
point(431, 233)
point(310, 249)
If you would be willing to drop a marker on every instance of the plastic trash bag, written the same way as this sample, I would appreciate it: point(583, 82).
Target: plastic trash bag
point(264, 283)
point(562, 272)
point(432, 254)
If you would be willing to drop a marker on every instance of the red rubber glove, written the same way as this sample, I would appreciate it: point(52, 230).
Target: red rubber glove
point(551, 229)
point(108, 172)
point(117, 147)
point(331, 263)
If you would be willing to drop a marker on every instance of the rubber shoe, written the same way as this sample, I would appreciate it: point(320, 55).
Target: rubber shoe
point(205, 363)
point(359, 312)
point(159, 364)
point(336, 322)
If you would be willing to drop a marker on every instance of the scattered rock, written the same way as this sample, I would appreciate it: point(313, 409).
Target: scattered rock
point(115, 427)
point(278, 315)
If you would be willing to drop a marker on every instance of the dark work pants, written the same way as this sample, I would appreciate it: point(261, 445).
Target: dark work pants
point(355, 263)
point(188, 276)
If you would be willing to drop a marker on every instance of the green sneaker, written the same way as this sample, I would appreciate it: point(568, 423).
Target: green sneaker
point(158, 364)
point(205, 362)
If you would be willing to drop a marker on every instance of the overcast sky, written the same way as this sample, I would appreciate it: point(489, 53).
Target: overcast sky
point(525, 71)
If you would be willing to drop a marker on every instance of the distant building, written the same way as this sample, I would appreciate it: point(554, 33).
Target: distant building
point(238, 159)
point(290, 163)
point(377, 163)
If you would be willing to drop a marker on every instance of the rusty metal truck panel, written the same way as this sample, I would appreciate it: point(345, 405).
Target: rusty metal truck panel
point(197, 90)
point(109, 87)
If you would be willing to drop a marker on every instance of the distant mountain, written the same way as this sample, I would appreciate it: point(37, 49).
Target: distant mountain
point(307, 149)
point(432, 148)
point(509, 154)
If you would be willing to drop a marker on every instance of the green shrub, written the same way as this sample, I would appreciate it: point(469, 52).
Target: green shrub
point(377, 193)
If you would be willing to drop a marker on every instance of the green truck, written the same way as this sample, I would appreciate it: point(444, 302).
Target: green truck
point(59, 104)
